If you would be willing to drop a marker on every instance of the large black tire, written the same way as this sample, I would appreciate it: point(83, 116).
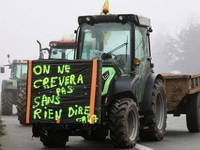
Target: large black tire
point(98, 134)
point(153, 124)
point(193, 112)
point(53, 138)
point(21, 106)
point(6, 102)
point(124, 123)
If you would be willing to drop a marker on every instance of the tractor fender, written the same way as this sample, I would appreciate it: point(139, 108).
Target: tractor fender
point(126, 85)
point(8, 85)
point(146, 103)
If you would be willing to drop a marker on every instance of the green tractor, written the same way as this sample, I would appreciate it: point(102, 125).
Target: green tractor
point(58, 50)
point(10, 87)
point(110, 87)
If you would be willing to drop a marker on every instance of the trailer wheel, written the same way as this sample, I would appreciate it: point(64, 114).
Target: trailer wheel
point(153, 124)
point(21, 106)
point(98, 134)
point(193, 112)
point(124, 123)
point(53, 138)
point(6, 102)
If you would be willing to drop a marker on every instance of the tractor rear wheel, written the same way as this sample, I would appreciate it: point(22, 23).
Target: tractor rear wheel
point(53, 138)
point(6, 102)
point(193, 112)
point(153, 124)
point(21, 106)
point(124, 123)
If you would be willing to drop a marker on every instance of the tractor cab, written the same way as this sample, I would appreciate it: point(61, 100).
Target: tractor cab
point(118, 39)
point(62, 50)
point(18, 69)
point(122, 43)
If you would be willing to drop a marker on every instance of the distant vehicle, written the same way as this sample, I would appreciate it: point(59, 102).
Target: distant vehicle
point(62, 50)
point(10, 87)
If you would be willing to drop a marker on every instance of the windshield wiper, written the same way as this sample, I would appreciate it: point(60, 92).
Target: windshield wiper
point(108, 55)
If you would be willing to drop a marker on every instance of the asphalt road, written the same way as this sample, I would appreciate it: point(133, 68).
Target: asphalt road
point(177, 138)
point(18, 137)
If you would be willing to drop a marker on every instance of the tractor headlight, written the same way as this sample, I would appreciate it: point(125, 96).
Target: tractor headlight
point(88, 19)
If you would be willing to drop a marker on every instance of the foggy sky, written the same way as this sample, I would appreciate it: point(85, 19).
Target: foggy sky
point(22, 22)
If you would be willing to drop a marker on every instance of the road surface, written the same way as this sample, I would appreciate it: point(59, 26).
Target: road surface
point(18, 137)
point(177, 138)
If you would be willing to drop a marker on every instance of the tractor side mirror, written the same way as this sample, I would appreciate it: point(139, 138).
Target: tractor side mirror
point(136, 62)
point(2, 70)
point(151, 64)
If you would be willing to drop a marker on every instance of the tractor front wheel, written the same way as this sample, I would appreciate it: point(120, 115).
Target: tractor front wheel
point(53, 137)
point(124, 123)
point(6, 102)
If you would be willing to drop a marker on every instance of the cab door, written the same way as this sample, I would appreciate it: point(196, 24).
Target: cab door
point(142, 55)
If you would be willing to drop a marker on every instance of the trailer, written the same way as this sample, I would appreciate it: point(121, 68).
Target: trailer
point(183, 97)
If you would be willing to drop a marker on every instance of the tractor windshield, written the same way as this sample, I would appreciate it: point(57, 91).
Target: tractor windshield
point(62, 53)
point(106, 41)
point(19, 71)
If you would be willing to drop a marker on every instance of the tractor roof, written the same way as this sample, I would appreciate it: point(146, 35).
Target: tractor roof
point(123, 18)
point(62, 44)
point(17, 61)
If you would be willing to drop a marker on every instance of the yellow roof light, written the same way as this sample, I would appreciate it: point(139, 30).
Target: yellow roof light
point(105, 9)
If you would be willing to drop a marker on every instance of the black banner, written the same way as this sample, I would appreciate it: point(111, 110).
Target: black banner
point(64, 91)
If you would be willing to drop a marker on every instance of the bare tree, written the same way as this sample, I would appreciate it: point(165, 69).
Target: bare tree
point(180, 53)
